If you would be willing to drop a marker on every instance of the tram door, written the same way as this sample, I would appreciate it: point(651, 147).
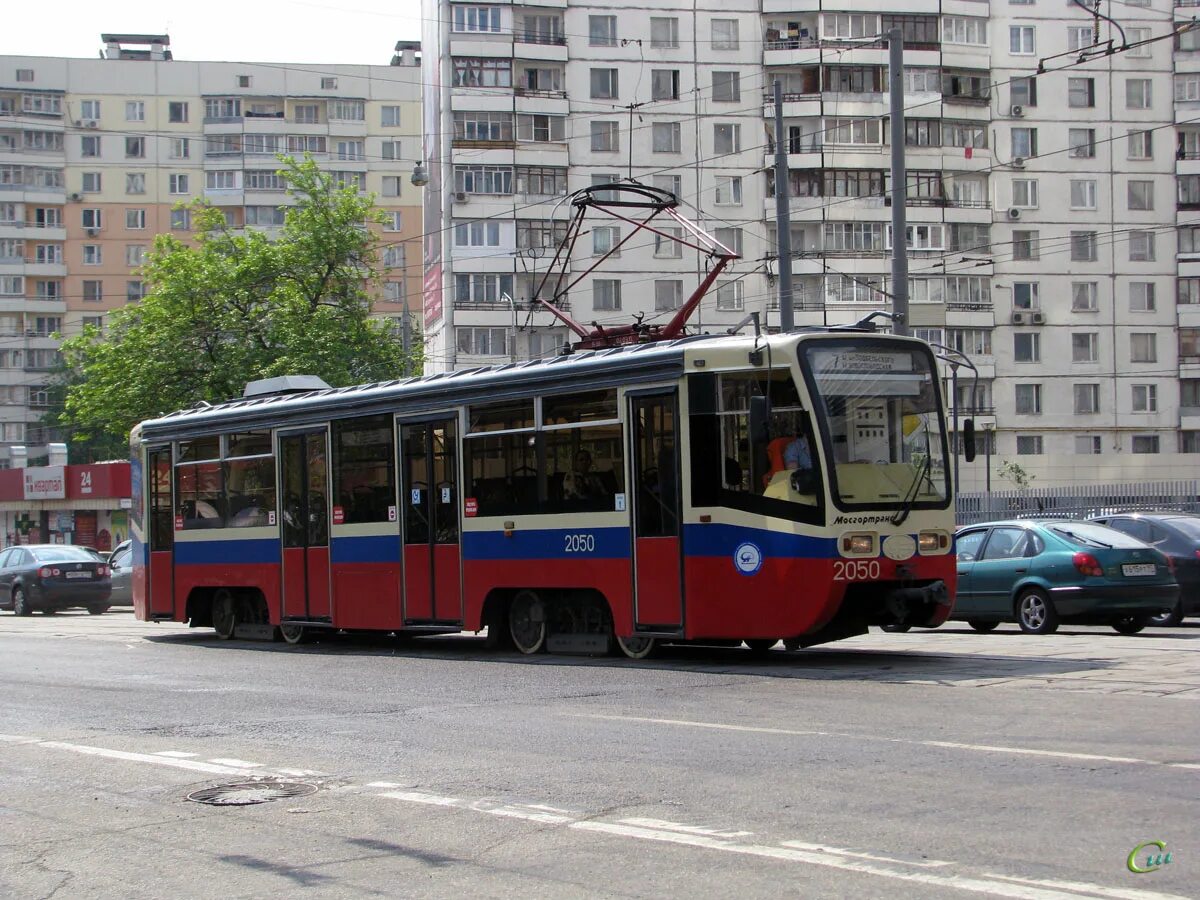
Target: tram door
point(160, 537)
point(657, 545)
point(429, 495)
point(304, 484)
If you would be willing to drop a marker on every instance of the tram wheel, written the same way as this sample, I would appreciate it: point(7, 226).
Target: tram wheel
point(293, 633)
point(791, 645)
point(527, 622)
point(636, 647)
point(224, 614)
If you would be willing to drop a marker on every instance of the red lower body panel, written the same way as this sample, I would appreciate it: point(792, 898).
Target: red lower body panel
point(659, 593)
point(367, 596)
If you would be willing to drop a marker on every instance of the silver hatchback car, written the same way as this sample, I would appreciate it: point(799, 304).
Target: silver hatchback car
point(120, 565)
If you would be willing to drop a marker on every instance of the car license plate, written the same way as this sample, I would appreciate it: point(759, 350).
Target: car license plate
point(79, 574)
point(1140, 569)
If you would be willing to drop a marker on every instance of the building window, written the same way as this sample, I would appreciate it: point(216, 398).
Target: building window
point(730, 237)
point(135, 111)
point(135, 148)
point(664, 245)
point(1138, 93)
point(1141, 246)
point(1087, 399)
point(1082, 142)
point(664, 84)
point(134, 291)
point(93, 291)
point(1025, 192)
point(541, 129)
point(1189, 442)
point(605, 239)
point(91, 182)
point(1029, 399)
point(1083, 296)
point(1145, 443)
point(328, 84)
point(1029, 445)
point(1141, 296)
point(1189, 344)
point(606, 294)
point(24, 74)
point(1083, 193)
point(1087, 445)
point(727, 138)
point(390, 116)
point(93, 255)
point(964, 30)
point(725, 34)
point(92, 218)
point(1141, 145)
point(1025, 295)
point(1187, 291)
point(1145, 398)
point(730, 296)
point(728, 191)
point(666, 137)
point(481, 288)
point(177, 111)
point(347, 111)
point(181, 220)
point(604, 83)
point(1085, 347)
point(180, 148)
point(1024, 142)
point(668, 294)
point(1023, 91)
point(135, 254)
point(1083, 246)
point(1081, 93)
point(605, 137)
point(135, 182)
point(310, 113)
point(1021, 40)
point(1141, 195)
point(1079, 37)
point(477, 234)
point(602, 31)
point(664, 32)
point(392, 185)
point(726, 87)
point(1027, 347)
point(135, 219)
point(1024, 245)
point(178, 183)
point(89, 146)
point(1143, 347)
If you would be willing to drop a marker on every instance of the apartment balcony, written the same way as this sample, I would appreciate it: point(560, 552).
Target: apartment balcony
point(545, 48)
point(491, 46)
point(45, 270)
point(1189, 417)
point(795, 106)
point(33, 232)
point(547, 103)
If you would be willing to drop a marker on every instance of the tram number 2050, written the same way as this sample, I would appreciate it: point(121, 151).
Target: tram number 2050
point(855, 569)
point(579, 543)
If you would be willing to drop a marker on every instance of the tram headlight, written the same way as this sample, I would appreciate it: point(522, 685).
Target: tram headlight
point(858, 544)
point(931, 542)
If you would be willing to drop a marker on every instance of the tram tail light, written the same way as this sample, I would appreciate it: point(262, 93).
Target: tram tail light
point(858, 544)
point(1087, 564)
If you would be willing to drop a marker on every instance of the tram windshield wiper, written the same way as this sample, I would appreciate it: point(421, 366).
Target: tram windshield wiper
point(914, 491)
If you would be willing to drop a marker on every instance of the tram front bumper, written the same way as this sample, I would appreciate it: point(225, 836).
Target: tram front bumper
point(925, 605)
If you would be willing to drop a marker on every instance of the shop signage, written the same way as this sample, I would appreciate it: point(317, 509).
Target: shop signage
point(45, 483)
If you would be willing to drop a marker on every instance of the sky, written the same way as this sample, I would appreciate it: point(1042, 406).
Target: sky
point(362, 32)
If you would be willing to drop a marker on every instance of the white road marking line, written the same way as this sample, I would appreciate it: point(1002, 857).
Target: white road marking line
point(384, 784)
point(664, 825)
point(793, 851)
point(949, 745)
point(236, 763)
point(190, 764)
point(838, 851)
point(178, 754)
point(17, 739)
point(301, 773)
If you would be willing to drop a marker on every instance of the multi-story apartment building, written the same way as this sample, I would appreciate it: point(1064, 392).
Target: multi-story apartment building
point(1049, 185)
point(97, 156)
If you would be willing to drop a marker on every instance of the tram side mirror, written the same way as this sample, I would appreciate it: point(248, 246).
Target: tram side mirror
point(760, 421)
point(968, 439)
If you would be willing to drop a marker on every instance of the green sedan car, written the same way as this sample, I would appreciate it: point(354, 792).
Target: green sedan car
point(1041, 573)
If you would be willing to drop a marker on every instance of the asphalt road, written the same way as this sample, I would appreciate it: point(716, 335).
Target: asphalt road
point(943, 764)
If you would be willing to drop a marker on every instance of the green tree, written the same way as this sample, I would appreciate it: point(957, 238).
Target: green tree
point(1016, 473)
point(234, 307)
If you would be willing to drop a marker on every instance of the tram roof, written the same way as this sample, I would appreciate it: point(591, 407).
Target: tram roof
point(581, 370)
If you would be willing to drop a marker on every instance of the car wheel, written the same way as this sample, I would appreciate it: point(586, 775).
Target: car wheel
point(1036, 613)
point(1170, 619)
point(20, 604)
point(983, 626)
point(97, 609)
point(895, 628)
point(1130, 624)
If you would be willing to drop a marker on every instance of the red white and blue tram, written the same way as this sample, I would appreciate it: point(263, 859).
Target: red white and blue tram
point(788, 487)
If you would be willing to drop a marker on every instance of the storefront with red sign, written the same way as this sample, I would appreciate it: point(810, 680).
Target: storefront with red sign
point(85, 505)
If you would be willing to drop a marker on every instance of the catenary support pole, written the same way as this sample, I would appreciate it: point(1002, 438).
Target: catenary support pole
point(783, 216)
point(899, 186)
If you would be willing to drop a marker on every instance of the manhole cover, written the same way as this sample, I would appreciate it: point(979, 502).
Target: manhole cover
point(247, 793)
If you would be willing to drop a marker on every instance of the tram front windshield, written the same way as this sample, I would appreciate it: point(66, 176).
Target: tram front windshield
point(878, 411)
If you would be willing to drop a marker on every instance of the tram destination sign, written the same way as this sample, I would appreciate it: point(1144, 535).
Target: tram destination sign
point(861, 361)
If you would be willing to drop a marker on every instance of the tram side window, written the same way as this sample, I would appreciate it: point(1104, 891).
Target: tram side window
point(772, 473)
point(162, 518)
point(585, 468)
point(199, 489)
point(363, 468)
point(502, 473)
point(250, 491)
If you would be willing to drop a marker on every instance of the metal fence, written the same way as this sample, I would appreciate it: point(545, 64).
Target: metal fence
point(1078, 501)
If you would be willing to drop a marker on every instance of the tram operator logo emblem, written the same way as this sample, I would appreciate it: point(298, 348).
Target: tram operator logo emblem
point(1148, 856)
point(748, 558)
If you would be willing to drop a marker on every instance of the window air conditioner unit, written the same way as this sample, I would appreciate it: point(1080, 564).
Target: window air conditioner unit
point(91, 123)
point(1016, 111)
point(1038, 318)
point(1018, 162)
point(1022, 318)
point(91, 232)
point(1014, 213)
point(77, 197)
point(460, 197)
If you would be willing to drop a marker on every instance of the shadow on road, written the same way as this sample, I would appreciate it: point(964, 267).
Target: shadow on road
point(826, 662)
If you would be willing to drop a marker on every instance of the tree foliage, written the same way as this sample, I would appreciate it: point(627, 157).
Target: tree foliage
point(232, 307)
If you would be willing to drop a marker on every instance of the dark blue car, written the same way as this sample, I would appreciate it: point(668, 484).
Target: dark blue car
point(1042, 573)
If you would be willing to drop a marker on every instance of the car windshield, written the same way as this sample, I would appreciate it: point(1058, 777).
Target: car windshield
point(877, 404)
point(1083, 534)
point(66, 553)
